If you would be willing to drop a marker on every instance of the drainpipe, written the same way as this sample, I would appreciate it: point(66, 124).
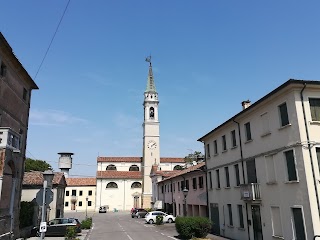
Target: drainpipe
point(243, 175)
point(309, 147)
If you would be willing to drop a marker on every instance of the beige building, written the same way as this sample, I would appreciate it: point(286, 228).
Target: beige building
point(15, 98)
point(80, 194)
point(33, 182)
point(263, 166)
point(124, 182)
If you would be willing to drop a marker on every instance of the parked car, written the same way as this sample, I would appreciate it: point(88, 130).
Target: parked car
point(102, 209)
point(58, 226)
point(139, 213)
point(151, 217)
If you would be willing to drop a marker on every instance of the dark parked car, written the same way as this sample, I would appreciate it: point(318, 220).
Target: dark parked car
point(139, 213)
point(58, 226)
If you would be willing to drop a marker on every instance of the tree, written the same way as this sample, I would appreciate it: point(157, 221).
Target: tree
point(196, 156)
point(36, 165)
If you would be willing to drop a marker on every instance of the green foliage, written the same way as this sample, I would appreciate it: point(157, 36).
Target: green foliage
point(196, 156)
point(159, 220)
point(189, 227)
point(26, 214)
point(36, 165)
point(148, 209)
point(86, 224)
point(71, 233)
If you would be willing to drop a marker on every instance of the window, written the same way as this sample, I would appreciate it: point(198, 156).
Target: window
point(112, 185)
point(136, 185)
point(165, 188)
point(90, 192)
point(111, 167)
point(66, 204)
point(3, 70)
point(80, 204)
point(80, 193)
point(182, 185)
point(265, 124)
point(233, 138)
point(74, 193)
point(240, 213)
point(226, 170)
point(237, 173)
point(215, 146)
point(174, 187)
point(230, 215)
point(201, 182)
point(162, 188)
point(284, 118)
point(298, 224)
point(151, 112)
point(315, 108)
point(210, 179)
point(291, 166)
point(89, 203)
point(25, 93)
point(224, 143)
point(271, 174)
point(276, 222)
point(178, 186)
point(134, 168)
point(194, 183)
point(218, 178)
point(248, 131)
point(187, 184)
point(170, 187)
point(251, 171)
point(208, 150)
point(67, 193)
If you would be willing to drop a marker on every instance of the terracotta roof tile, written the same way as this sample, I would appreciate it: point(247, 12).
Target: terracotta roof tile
point(138, 159)
point(81, 181)
point(36, 178)
point(119, 159)
point(119, 174)
point(187, 170)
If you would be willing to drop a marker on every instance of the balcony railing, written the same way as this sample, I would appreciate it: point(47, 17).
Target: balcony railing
point(250, 192)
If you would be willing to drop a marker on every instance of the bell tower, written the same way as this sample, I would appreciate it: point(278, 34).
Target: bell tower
point(151, 136)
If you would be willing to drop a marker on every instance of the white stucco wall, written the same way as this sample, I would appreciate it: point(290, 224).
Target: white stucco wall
point(81, 198)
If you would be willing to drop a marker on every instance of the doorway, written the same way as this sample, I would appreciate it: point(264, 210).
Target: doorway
point(214, 209)
point(256, 222)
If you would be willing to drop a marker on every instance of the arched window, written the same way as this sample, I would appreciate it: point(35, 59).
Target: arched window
point(134, 168)
point(136, 185)
point(111, 167)
point(177, 167)
point(151, 112)
point(112, 185)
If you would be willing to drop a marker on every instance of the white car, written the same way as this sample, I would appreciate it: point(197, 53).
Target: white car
point(151, 217)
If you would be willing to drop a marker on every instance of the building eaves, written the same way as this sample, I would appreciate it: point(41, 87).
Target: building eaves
point(284, 85)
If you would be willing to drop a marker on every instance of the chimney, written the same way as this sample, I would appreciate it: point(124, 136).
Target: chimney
point(245, 104)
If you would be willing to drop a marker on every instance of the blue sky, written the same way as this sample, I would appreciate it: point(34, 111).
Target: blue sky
point(208, 56)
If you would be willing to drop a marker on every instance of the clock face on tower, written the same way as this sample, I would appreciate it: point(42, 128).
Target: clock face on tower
point(152, 145)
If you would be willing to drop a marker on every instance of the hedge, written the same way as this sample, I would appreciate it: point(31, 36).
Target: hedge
point(189, 227)
point(86, 224)
point(26, 214)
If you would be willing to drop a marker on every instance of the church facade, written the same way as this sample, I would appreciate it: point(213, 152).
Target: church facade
point(124, 182)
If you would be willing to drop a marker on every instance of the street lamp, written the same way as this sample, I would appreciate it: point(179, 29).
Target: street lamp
point(47, 183)
point(185, 193)
point(87, 198)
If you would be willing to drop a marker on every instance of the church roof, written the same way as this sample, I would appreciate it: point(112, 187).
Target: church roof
point(119, 159)
point(139, 159)
point(119, 174)
point(81, 181)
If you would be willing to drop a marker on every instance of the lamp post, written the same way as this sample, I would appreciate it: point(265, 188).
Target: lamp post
point(185, 193)
point(87, 198)
point(47, 183)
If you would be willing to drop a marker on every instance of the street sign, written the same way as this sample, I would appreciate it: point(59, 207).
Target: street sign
point(49, 196)
point(43, 227)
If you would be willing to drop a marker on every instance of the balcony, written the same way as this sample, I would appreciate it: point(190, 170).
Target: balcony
point(9, 139)
point(250, 192)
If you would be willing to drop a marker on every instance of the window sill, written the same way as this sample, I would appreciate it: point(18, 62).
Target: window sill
point(227, 187)
point(314, 122)
point(218, 188)
point(216, 154)
point(208, 157)
point(236, 186)
point(230, 226)
point(285, 126)
point(271, 183)
point(277, 237)
point(241, 229)
point(224, 151)
point(291, 182)
point(234, 147)
point(266, 134)
point(248, 141)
